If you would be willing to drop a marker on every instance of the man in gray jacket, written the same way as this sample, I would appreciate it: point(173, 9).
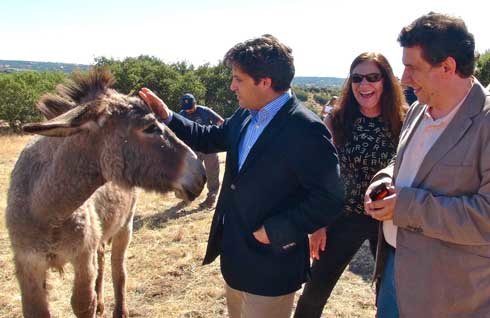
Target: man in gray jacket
point(435, 240)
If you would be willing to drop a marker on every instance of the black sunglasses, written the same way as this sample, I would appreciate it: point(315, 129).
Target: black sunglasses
point(371, 77)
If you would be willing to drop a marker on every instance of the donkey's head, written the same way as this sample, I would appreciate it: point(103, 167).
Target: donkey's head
point(131, 147)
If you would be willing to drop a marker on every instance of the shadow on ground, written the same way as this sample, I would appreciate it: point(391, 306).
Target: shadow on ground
point(363, 264)
point(158, 220)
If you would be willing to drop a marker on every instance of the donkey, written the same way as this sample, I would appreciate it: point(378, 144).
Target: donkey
point(72, 190)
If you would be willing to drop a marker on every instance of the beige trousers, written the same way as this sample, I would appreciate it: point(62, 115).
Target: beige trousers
point(245, 305)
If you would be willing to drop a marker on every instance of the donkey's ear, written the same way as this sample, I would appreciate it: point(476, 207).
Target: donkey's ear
point(54, 105)
point(83, 117)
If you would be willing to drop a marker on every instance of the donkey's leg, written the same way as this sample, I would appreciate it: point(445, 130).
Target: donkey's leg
point(120, 244)
point(31, 273)
point(84, 298)
point(99, 282)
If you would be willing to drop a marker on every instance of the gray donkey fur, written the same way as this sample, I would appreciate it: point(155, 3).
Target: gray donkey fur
point(72, 192)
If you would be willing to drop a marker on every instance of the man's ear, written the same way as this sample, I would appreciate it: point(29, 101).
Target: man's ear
point(266, 82)
point(449, 66)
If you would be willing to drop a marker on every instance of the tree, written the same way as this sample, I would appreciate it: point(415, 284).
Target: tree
point(483, 68)
point(20, 91)
point(209, 84)
point(321, 98)
point(216, 80)
point(301, 94)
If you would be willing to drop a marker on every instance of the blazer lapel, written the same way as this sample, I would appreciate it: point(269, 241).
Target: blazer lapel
point(453, 132)
point(268, 134)
point(242, 127)
point(406, 137)
point(236, 144)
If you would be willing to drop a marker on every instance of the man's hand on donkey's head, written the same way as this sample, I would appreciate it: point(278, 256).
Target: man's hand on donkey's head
point(157, 105)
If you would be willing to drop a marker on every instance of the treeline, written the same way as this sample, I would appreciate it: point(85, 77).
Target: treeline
point(316, 95)
point(20, 91)
point(209, 84)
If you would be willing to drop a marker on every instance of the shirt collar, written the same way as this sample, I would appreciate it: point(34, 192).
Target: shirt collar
point(268, 111)
point(445, 119)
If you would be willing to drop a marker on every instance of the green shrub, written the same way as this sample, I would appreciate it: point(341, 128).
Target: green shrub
point(301, 95)
point(321, 99)
point(483, 68)
point(19, 93)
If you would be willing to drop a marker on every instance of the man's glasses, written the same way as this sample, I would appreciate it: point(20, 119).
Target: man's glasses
point(371, 77)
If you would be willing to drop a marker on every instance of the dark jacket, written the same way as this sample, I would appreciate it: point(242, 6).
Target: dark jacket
point(289, 183)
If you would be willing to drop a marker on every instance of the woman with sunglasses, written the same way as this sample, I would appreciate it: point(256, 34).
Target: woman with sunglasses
point(365, 127)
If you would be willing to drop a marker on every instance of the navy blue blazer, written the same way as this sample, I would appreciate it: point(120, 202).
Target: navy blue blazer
point(289, 183)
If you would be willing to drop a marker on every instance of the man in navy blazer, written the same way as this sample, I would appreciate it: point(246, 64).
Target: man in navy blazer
point(281, 180)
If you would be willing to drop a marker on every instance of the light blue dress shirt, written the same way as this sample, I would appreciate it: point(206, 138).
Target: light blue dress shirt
point(259, 121)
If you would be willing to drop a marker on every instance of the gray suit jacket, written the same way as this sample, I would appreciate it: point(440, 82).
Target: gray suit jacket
point(442, 264)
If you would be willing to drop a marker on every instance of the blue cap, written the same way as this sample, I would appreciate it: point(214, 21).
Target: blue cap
point(187, 101)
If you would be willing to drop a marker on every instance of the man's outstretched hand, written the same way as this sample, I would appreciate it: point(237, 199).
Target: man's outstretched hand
point(156, 104)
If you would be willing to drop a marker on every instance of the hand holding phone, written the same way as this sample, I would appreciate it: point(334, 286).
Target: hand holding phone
point(379, 192)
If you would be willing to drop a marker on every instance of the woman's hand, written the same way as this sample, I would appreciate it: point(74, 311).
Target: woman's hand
point(318, 242)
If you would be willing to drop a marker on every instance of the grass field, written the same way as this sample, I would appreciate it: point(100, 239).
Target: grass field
point(166, 278)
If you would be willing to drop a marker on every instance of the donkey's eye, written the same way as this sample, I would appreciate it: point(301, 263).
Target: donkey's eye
point(152, 129)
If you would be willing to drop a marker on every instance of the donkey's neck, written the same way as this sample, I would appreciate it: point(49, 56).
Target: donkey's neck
point(68, 179)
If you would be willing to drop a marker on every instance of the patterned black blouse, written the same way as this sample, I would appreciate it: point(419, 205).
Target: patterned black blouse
point(369, 150)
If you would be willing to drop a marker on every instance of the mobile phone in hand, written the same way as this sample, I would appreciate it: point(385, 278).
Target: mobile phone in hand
point(379, 192)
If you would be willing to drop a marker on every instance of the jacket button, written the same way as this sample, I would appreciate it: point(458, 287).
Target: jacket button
point(233, 187)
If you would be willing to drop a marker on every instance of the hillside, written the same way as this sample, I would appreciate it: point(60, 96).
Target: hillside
point(321, 82)
point(9, 66)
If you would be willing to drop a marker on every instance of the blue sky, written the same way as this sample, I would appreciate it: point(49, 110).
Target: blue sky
point(325, 35)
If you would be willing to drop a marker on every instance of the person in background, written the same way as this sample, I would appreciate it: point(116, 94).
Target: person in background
point(269, 199)
point(328, 107)
point(410, 96)
point(435, 240)
point(365, 128)
point(204, 116)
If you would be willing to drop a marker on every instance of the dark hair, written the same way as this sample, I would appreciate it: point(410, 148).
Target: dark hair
point(441, 36)
point(392, 101)
point(264, 57)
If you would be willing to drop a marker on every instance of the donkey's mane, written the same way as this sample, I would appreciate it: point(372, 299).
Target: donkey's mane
point(81, 88)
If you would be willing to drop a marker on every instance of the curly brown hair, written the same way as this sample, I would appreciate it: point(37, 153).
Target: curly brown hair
point(393, 105)
point(262, 57)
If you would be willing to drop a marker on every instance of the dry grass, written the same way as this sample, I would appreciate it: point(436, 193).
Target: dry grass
point(166, 278)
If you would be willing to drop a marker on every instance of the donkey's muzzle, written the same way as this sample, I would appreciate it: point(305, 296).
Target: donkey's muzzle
point(192, 180)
